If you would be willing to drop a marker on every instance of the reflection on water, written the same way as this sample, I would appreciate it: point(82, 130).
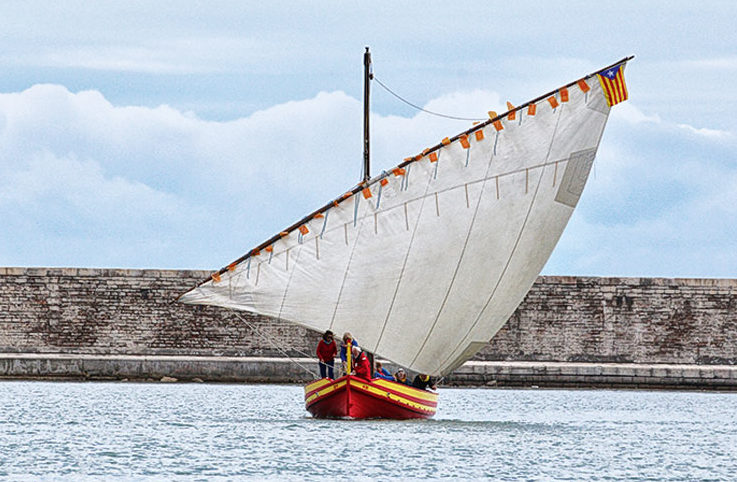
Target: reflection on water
point(159, 431)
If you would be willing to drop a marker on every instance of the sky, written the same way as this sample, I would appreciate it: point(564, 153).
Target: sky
point(182, 134)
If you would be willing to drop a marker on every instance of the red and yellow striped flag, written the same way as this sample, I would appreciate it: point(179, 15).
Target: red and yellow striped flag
point(612, 83)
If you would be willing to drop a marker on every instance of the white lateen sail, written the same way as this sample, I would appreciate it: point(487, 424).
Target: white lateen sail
point(425, 263)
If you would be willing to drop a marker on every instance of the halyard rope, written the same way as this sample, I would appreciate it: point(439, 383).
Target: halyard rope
point(420, 108)
point(275, 345)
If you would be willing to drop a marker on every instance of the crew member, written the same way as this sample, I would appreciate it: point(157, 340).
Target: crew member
point(423, 381)
point(382, 372)
point(361, 364)
point(401, 377)
point(326, 351)
point(347, 341)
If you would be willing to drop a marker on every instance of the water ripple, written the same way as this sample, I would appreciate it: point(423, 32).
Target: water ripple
point(204, 432)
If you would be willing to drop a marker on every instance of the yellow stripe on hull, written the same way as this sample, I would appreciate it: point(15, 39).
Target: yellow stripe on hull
point(410, 391)
point(317, 384)
point(324, 391)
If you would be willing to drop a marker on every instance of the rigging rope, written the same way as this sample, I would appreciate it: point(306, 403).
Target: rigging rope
point(282, 351)
point(420, 108)
point(275, 345)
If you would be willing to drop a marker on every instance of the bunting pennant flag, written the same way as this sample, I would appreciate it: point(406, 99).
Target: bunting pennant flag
point(612, 83)
point(512, 112)
point(583, 86)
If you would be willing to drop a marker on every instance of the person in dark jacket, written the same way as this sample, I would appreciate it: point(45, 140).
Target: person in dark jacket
point(361, 364)
point(326, 351)
point(424, 382)
point(382, 372)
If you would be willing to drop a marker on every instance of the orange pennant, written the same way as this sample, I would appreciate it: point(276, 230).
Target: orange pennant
point(398, 171)
point(512, 113)
point(384, 182)
point(583, 86)
point(319, 215)
point(464, 141)
point(284, 234)
point(231, 266)
point(269, 248)
point(553, 101)
point(216, 277)
point(366, 193)
point(492, 114)
point(531, 109)
point(433, 156)
point(498, 125)
point(564, 94)
point(479, 135)
point(255, 252)
point(303, 229)
point(445, 141)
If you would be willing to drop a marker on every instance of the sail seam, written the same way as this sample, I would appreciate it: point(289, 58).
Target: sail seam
point(460, 258)
point(514, 248)
point(348, 264)
point(289, 280)
point(404, 263)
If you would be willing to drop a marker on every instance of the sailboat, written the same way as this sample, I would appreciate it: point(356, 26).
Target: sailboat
point(425, 262)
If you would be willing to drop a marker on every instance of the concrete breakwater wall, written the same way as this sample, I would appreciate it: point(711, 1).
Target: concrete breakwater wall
point(53, 366)
point(641, 321)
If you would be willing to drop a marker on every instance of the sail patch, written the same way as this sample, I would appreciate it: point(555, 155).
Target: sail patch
point(574, 178)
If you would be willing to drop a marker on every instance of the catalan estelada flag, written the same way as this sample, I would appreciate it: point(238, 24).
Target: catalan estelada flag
point(612, 83)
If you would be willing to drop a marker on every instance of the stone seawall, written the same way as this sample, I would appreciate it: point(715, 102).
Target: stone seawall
point(622, 320)
point(131, 312)
point(647, 321)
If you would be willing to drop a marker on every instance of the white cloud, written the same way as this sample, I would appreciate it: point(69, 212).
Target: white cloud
point(706, 132)
point(627, 112)
point(719, 64)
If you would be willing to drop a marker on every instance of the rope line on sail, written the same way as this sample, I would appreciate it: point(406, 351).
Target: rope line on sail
point(514, 248)
point(424, 110)
point(406, 255)
point(350, 260)
point(461, 255)
point(275, 345)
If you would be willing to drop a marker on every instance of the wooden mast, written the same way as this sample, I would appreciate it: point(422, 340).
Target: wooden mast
point(366, 91)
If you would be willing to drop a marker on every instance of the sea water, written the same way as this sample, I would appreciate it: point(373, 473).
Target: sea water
point(74, 431)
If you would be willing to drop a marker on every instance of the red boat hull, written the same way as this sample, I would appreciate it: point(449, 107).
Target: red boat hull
point(354, 397)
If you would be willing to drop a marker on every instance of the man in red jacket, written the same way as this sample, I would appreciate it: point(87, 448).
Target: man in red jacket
point(326, 351)
point(361, 364)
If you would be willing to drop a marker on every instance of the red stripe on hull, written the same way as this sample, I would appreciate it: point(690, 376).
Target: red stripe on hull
point(371, 401)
